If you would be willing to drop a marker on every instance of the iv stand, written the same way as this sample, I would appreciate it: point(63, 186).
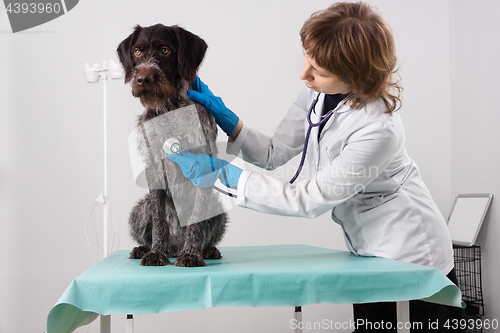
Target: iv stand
point(93, 74)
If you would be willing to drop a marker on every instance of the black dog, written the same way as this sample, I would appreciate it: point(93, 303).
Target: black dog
point(160, 63)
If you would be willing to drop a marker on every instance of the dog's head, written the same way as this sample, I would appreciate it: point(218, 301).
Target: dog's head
point(157, 59)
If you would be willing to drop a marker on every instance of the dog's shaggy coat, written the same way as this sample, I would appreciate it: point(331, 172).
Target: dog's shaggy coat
point(160, 63)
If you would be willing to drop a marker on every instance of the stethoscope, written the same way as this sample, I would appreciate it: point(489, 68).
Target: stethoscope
point(325, 118)
point(172, 145)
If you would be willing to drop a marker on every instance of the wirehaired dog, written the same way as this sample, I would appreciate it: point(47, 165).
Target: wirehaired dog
point(160, 63)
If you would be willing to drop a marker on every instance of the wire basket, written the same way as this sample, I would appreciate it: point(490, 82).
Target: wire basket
point(468, 271)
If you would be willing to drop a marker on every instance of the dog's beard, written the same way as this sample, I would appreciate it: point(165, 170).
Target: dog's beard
point(151, 99)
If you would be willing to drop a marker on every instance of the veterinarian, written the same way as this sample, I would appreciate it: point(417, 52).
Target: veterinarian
point(358, 164)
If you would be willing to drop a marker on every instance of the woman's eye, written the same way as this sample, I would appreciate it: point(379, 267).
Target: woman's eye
point(138, 52)
point(165, 50)
point(322, 74)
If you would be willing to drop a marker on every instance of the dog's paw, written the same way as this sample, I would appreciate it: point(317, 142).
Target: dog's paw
point(211, 253)
point(155, 259)
point(138, 252)
point(189, 260)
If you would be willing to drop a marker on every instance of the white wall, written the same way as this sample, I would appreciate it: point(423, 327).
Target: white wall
point(475, 118)
point(51, 137)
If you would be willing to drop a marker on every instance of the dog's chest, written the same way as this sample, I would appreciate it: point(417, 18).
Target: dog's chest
point(182, 124)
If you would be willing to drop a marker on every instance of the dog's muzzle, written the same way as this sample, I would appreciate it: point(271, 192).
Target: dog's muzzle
point(147, 74)
point(151, 85)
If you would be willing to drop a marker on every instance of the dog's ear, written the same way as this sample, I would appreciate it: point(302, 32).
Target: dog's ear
point(190, 54)
point(125, 53)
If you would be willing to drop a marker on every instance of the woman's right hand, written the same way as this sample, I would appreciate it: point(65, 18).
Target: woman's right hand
point(225, 118)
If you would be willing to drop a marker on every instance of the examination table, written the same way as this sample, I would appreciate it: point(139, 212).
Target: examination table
point(256, 276)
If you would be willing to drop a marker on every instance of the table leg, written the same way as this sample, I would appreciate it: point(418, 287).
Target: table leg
point(297, 315)
point(130, 324)
point(403, 316)
point(105, 324)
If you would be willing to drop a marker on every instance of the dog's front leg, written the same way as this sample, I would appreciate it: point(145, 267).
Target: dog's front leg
point(158, 256)
point(190, 255)
point(196, 234)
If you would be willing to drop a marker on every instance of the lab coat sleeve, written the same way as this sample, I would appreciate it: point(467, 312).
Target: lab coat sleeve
point(271, 152)
point(366, 154)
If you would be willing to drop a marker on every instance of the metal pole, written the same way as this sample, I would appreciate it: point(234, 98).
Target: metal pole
point(403, 316)
point(105, 320)
point(105, 207)
point(105, 324)
point(130, 324)
point(297, 315)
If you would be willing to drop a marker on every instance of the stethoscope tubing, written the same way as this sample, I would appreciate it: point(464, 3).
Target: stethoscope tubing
point(310, 127)
point(325, 118)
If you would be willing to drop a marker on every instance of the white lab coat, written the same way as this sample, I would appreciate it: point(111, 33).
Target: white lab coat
point(359, 169)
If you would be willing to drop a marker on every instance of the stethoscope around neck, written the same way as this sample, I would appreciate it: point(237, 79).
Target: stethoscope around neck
point(324, 119)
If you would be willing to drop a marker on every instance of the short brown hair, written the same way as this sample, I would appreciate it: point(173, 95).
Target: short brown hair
point(355, 43)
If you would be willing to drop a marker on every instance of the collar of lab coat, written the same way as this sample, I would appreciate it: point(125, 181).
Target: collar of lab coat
point(342, 107)
point(313, 154)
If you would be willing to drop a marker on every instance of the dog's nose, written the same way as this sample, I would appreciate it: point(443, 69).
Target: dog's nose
point(145, 79)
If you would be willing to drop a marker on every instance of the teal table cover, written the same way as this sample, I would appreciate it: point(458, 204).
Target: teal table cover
point(255, 276)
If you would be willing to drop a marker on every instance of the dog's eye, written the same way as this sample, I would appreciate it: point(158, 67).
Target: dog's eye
point(138, 52)
point(165, 50)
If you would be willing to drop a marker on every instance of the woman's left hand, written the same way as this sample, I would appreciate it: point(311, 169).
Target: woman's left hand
point(225, 118)
point(204, 170)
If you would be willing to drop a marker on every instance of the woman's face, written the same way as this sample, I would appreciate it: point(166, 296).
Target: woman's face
point(320, 80)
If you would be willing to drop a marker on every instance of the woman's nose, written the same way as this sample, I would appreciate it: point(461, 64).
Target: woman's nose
point(305, 74)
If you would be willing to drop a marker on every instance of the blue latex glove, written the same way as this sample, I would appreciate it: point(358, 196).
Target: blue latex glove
point(204, 170)
point(225, 118)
